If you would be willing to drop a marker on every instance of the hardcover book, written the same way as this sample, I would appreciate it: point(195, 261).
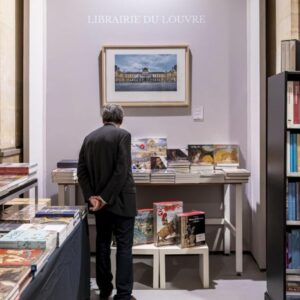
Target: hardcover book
point(144, 148)
point(29, 239)
point(191, 229)
point(7, 227)
point(17, 168)
point(67, 163)
point(201, 154)
point(17, 257)
point(176, 155)
point(58, 211)
point(165, 222)
point(158, 163)
point(60, 229)
point(143, 227)
point(226, 155)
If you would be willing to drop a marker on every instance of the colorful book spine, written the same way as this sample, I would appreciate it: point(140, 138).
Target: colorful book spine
point(290, 104)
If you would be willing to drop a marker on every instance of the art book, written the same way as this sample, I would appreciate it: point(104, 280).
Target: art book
point(29, 239)
point(143, 227)
point(60, 229)
point(58, 211)
point(191, 228)
point(17, 276)
point(176, 155)
point(17, 257)
point(226, 155)
point(201, 154)
point(158, 163)
point(165, 222)
point(142, 149)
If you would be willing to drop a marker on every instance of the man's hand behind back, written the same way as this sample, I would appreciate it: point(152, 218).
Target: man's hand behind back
point(96, 203)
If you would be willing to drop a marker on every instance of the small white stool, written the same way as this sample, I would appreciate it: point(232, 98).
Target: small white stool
point(148, 249)
point(203, 253)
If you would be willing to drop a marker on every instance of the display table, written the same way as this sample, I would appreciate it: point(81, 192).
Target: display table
point(229, 228)
point(148, 249)
point(66, 275)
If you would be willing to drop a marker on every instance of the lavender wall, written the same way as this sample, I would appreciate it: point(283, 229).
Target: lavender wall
point(219, 70)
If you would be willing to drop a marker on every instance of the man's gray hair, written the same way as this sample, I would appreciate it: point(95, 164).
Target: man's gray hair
point(113, 113)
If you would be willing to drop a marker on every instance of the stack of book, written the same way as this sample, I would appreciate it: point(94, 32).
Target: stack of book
point(212, 176)
point(178, 160)
point(290, 53)
point(67, 163)
point(18, 168)
point(163, 176)
point(187, 178)
point(141, 176)
point(233, 175)
point(226, 156)
point(64, 175)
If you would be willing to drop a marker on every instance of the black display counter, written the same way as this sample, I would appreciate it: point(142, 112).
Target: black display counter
point(66, 276)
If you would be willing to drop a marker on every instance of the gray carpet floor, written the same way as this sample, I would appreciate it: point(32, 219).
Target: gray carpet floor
point(183, 282)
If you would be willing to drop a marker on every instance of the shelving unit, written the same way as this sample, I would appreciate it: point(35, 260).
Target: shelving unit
point(277, 179)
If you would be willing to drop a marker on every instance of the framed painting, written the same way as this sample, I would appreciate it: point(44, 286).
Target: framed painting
point(145, 75)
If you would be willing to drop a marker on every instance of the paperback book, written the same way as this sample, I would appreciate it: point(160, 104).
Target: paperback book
point(191, 229)
point(165, 222)
point(143, 227)
point(58, 211)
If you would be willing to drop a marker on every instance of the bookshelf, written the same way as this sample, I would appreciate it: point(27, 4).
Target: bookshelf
point(278, 179)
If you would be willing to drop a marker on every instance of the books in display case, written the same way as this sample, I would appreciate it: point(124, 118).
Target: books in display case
point(60, 229)
point(143, 227)
point(18, 168)
point(19, 257)
point(29, 239)
point(17, 277)
point(191, 229)
point(59, 211)
point(165, 222)
point(15, 215)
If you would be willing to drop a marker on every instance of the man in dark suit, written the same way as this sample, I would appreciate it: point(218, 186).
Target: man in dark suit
point(105, 176)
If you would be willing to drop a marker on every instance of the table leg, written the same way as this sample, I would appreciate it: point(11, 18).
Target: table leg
point(113, 265)
point(239, 228)
point(204, 269)
point(162, 270)
point(227, 218)
point(61, 194)
point(36, 194)
point(155, 270)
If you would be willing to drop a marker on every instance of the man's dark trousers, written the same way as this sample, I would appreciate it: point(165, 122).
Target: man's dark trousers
point(122, 227)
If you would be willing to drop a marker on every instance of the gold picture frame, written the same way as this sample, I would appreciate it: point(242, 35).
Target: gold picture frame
point(139, 76)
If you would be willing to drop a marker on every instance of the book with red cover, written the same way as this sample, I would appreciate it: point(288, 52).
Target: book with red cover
point(17, 168)
point(165, 222)
point(19, 257)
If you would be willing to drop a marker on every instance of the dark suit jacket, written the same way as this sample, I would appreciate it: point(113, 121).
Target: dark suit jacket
point(104, 169)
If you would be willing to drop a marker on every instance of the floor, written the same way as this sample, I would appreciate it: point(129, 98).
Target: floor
point(183, 279)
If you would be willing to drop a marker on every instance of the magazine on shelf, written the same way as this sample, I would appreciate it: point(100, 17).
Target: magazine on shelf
point(165, 222)
point(191, 228)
